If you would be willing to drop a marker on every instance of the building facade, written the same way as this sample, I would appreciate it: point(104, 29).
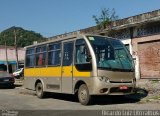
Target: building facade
point(141, 35)
point(11, 58)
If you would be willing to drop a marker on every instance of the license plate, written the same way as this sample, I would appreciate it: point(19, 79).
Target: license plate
point(123, 87)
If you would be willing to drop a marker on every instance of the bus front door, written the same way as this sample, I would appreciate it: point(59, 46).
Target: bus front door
point(67, 68)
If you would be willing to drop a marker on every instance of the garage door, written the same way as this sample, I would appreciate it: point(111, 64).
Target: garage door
point(149, 58)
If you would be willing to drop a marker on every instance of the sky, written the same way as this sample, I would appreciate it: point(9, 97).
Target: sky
point(54, 17)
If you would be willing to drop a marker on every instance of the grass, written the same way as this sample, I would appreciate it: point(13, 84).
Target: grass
point(154, 81)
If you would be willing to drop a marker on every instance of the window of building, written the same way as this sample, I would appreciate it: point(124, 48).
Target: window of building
point(54, 54)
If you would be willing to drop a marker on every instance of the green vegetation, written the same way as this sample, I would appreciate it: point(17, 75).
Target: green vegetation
point(24, 37)
point(154, 81)
point(105, 18)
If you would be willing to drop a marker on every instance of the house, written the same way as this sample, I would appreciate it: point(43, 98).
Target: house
point(11, 58)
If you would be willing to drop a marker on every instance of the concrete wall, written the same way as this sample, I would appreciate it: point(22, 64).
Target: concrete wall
point(11, 54)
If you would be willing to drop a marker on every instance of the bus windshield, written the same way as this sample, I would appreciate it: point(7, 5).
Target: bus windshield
point(111, 54)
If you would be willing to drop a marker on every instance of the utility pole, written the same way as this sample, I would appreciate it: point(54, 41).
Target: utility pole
point(15, 44)
point(6, 54)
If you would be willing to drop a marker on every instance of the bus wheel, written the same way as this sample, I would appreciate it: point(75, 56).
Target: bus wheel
point(83, 95)
point(39, 90)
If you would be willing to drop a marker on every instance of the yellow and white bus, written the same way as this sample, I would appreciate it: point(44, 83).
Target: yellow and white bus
point(83, 64)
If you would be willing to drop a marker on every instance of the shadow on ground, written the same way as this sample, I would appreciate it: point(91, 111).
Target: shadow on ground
point(103, 100)
point(18, 85)
point(9, 86)
point(133, 98)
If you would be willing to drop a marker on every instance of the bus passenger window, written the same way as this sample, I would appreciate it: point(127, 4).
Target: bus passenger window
point(41, 56)
point(40, 59)
point(83, 58)
point(68, 54)
point(30, 57)
point(54, 54)
point(81, 54)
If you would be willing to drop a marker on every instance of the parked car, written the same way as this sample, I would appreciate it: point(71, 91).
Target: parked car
point(6, 80)
point(18, 73)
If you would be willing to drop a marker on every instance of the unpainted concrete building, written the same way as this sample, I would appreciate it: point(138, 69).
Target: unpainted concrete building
point(141, 34)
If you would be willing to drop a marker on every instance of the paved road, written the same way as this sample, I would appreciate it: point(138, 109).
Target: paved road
point(22, 99)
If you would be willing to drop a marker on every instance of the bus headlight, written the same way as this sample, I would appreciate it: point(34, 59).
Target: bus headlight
point(104, 79)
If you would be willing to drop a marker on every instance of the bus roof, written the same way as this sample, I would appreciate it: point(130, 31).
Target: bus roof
point(64, 38)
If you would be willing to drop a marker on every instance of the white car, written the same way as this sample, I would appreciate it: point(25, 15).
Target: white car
point(18, 73)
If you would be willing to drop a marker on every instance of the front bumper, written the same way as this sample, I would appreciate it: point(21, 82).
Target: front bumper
point(16, 75)
point(108, 88)
point(7, 82)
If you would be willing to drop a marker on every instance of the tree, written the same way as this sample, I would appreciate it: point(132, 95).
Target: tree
point(105, 18)
point(24, 37)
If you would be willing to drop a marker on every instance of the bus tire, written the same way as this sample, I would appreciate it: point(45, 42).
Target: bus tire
point(83, 95)
point(39, 90)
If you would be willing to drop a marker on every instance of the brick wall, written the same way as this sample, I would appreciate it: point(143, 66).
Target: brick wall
point(146, 50)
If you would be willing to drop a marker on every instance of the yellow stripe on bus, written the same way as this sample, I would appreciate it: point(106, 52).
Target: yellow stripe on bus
point(43, 72)
point(55, 72)
point(77, 73)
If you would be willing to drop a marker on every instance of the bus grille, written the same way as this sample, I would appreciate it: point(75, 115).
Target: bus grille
point(120, 82)
point(117, 90)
